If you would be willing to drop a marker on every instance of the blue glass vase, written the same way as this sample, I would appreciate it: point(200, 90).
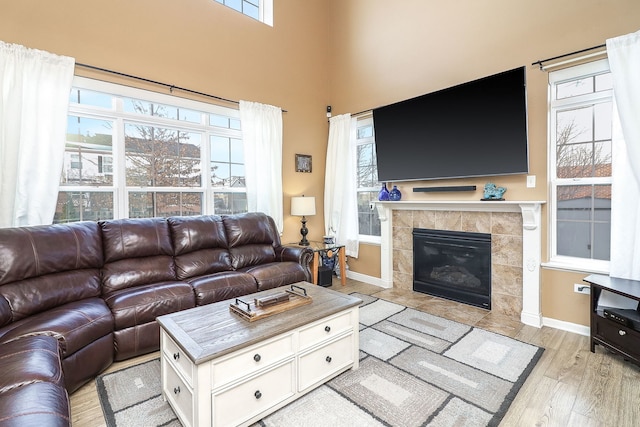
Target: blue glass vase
point(395, 194)
point(383, 195)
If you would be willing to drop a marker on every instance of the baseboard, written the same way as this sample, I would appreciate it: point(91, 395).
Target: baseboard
point(368, 279)
point(566, 326)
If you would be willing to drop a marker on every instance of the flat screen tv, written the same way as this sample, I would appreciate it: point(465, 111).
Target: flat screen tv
point(474, 129)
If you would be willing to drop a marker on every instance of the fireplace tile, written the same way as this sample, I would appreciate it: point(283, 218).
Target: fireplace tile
point(463, 313)
point(448, 220)
point(402, 219)
point(506, 250)
point(403, 261)
point(403, 280)
point(508, 223)
point(424, 219)
point(508, 305)
point(506, 279)
point(476, 222)
point(402, 238)
point(500, 324)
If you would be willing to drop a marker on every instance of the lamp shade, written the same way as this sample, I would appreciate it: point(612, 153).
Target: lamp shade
point(303, 206)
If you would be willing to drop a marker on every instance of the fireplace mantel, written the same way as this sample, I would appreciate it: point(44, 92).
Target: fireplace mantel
point(531, 242)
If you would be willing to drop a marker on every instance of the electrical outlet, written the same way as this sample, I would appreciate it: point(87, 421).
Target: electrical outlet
point(531, 181)
point(581, 289)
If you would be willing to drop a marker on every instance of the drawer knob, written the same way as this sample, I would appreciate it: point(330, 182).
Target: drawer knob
point(622, 333)
point(257, 394)
point(257, 357)
point(176, 356)
point(176, 390)
point(328, 359)
point(327, 328)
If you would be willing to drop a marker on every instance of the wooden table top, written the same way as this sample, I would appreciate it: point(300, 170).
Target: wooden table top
point(210, 331)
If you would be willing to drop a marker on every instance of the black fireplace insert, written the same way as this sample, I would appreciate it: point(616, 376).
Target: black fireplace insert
point(454, 265)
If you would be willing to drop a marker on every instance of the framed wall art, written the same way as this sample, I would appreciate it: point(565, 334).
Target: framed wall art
point(303, 163)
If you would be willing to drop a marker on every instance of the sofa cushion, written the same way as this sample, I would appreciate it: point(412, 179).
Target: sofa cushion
point(221, 286)
point(136, 306)
point(76, 324)
point(32, 296)
point(200, 245)
point(137, 252)
point(37, 404)
point(30, 359)
point(35, 251)
point(276, 274)
point(43, 267)
point(252, 238)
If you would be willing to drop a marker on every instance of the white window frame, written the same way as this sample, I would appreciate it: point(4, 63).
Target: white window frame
point(119, 117)
point(265, 10)
point(366, 119)
point(556, 261)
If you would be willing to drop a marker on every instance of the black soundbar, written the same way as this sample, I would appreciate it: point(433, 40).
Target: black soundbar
point(447, 188)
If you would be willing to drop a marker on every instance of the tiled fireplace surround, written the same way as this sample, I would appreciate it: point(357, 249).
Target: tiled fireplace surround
point(515, 246)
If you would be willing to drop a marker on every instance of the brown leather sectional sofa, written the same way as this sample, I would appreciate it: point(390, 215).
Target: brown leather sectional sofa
point(76, 297)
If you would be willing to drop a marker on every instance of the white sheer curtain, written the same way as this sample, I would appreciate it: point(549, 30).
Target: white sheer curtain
point(34, 99)
point(340, 196)
point(624, 60)
point(262, 141)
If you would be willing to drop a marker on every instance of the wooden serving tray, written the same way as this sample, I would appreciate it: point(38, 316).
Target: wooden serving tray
point(253, 311)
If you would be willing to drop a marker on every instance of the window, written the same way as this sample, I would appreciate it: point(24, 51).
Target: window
point(580, 166)
point(367, 176)
point(132, 153)
point(261, 10)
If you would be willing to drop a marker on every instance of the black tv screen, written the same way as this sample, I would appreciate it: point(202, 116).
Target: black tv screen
point(477, 128)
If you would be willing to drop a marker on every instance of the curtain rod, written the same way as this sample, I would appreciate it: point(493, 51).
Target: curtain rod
point(539, 62)
point(170, 86)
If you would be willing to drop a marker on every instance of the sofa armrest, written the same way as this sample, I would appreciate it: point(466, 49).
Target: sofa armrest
point(301, 255)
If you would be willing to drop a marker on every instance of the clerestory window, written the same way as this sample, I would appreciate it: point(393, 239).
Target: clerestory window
point(261, 10)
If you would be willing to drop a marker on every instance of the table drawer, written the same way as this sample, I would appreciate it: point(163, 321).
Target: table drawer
point(248, 399)
point(320, 364)
point(177, 358)
point(619, 336)
point(326, 329)
point(246, 362)
point(179, 395)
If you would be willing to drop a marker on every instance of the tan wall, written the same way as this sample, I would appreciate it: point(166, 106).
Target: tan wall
point(207, 47)
point(384, 51)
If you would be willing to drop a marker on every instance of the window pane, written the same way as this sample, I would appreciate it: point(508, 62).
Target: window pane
point(591, 158)
point(365, 132)
point(229, 203)
point(162, 157)
point(220, 149)
point(157, 204)
point(584, 221)
point(251, 10)
point(574, 88)
point(604, 82)
point(75, 206)
point(159, 110)
point(88, 154)
point(88, 97)
point(368, 222)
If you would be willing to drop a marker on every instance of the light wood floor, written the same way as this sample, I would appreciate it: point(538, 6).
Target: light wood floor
point(569, 387)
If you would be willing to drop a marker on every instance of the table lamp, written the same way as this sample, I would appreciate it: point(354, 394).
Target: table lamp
point(303, 206)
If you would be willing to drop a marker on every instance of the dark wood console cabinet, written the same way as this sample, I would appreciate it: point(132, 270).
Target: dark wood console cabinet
point(613, 335)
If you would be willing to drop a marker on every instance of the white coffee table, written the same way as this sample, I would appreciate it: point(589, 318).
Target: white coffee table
point(221, 370)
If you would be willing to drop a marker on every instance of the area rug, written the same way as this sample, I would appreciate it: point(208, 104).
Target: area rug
point(416, 369)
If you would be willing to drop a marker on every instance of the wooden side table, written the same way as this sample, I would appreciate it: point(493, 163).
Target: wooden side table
point(615, 333)
point(320, 248)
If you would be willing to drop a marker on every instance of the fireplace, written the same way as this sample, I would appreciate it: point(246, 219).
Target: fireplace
point(454, 265)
